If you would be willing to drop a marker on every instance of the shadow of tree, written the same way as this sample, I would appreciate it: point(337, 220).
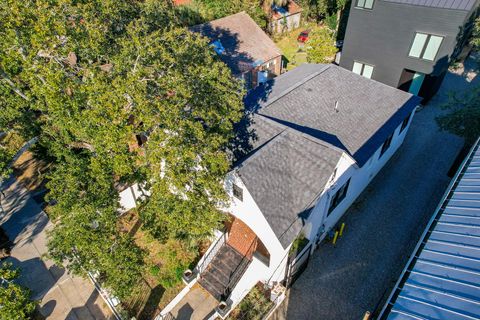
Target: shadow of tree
point(151, 305)
point(185, 312)
point(90, 310)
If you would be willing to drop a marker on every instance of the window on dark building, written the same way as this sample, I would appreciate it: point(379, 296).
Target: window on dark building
point(365, 4)
point(425, 46)
point(363, 69)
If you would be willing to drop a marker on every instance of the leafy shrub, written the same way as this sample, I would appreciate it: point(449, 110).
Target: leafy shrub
point(254, 306)
point(155, 270)
point(321, 46)
point(331, 21)
point(176, 258)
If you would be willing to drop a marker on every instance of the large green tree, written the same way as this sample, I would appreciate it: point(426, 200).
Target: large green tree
point(15, 303)
point(91, 79)
point(214, 9)
point(463, 115)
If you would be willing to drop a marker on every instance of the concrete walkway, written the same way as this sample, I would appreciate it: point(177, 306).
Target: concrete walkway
point(61, 295)
point(198, 304)
point(384, 225)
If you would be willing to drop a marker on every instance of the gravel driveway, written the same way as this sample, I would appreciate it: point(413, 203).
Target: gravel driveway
point(383, 226)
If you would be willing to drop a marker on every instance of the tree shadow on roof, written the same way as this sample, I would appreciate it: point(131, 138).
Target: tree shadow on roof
point(244, 141)
point(228, 46)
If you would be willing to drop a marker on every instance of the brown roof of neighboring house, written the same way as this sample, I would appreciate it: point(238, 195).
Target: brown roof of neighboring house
point(244, 42)
point(292, 8)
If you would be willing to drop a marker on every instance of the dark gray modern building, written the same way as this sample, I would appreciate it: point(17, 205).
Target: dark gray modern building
point(407, 44)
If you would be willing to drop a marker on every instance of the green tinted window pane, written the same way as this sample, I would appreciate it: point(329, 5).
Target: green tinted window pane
point(417, 81)
point(417, 45)
point(367, 71)
point(368, 4)
point(361, 3)
point(432, 47)
point(357, 68)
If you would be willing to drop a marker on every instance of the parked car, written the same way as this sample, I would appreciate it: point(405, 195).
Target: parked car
point(303, 36)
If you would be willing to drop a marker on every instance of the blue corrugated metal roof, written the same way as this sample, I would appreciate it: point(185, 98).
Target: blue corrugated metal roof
point(442, 280)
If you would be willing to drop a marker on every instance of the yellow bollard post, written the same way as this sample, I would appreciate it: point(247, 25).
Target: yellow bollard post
point(342, 227)
point(335, 237)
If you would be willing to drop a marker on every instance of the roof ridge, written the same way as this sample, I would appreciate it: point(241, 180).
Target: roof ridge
point(258, 150)
point(296, 85)
point(300, 133)
point(319, 141)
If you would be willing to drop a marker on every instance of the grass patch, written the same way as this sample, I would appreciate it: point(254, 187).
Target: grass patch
point(165, 264)
point(294, 53)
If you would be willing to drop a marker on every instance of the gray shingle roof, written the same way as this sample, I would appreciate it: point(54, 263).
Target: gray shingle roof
point(297, 138)
point(368, 110)
point(286, 175)
point(442, 279)
point(244, 41)
point(465, 5)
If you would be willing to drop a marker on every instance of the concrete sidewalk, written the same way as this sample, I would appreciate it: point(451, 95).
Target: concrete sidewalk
point(384, 224)
point(62, 296)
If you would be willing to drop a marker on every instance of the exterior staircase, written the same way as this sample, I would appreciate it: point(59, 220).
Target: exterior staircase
point(223, 272)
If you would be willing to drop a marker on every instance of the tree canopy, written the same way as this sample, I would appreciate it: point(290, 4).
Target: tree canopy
point(475, 38)
point(463, 117)
point(118, 93)
point(320, 46)
point(15, 303)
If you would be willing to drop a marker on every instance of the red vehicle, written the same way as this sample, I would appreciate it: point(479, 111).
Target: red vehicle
point(303, 36)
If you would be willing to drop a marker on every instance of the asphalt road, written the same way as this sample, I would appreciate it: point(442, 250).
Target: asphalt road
point(384, 225)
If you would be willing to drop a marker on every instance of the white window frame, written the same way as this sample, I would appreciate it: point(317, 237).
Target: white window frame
point(362, 70)
point(364, 4)
point(428, 48)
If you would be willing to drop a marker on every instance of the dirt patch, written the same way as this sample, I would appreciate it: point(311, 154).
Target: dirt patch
point(30, 171)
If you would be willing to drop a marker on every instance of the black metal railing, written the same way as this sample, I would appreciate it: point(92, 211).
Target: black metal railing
point(211, 254)
point(239, 271)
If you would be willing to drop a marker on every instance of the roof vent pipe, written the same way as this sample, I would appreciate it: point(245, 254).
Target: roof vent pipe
point(336, 105)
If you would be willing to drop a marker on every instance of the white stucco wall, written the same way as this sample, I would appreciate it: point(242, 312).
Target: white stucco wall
point(248, 211)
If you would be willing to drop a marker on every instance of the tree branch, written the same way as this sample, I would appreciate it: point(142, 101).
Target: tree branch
point(12, 85)
point(82, 145)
